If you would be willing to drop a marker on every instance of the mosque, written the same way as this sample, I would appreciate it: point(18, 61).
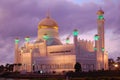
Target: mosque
point(49, 54)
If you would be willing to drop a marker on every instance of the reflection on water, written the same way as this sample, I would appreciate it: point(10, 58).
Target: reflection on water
point(12, 79)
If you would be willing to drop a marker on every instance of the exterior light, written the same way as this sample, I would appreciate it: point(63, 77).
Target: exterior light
point(103, 49)
point(41, 71)
point(75, 32)
point(16, 40)
point(45, 37)
point(116, 65)
point(95, 49)
point(21, 51)
point(100, 17)
point(27, 39)
point(67, 41)
point(96, 37)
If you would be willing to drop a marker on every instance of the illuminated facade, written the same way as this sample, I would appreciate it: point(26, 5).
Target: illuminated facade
point(48, 54)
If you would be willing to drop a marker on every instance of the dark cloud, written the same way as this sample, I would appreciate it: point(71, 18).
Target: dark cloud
point(21, 18)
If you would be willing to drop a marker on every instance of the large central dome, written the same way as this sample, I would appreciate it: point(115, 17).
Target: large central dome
point(48, 22)
point(48, 30)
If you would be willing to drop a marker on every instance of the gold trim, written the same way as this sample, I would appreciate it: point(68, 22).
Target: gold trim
point(44, 27)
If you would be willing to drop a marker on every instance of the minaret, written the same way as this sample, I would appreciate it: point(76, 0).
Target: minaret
point(16, 53)
point(75, 34)
point(99, 38)
point(97, 52)
point(100, 22)
point(27, 40)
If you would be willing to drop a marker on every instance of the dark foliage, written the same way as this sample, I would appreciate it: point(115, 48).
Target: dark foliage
point(77, 67)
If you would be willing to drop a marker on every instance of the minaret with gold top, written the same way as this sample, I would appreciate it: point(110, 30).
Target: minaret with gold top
point(100, 22)
point(99, 41)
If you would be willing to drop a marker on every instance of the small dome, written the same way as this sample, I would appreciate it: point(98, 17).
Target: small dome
point(100, 12)
point(48, 22)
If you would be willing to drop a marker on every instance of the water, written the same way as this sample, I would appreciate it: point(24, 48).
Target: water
point(13, 79)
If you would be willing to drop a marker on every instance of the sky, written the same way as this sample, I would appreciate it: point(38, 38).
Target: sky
point(20, 18)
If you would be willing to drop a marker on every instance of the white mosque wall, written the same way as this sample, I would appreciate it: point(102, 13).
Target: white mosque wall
point(26, 60)
point(57, 63)
point(60, 49)
point(86, 45)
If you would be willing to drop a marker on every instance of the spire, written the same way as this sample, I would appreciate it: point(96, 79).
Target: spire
point(100, 8)
point(48, 14)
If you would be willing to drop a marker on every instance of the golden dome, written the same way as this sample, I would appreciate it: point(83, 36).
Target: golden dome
point(48, 22)
point(100, 12)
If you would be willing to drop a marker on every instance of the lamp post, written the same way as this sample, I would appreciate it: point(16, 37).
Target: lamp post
point(116, 66)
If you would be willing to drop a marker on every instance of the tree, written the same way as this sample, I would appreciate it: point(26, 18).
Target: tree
point(77, 67)
point(7, 67)
point(11, 66)
point(1, 68)
point(111, 63)
point(118, 59)
point(17, 66)
point(118, 62)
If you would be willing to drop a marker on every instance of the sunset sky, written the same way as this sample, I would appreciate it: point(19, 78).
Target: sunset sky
point(20, 18)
